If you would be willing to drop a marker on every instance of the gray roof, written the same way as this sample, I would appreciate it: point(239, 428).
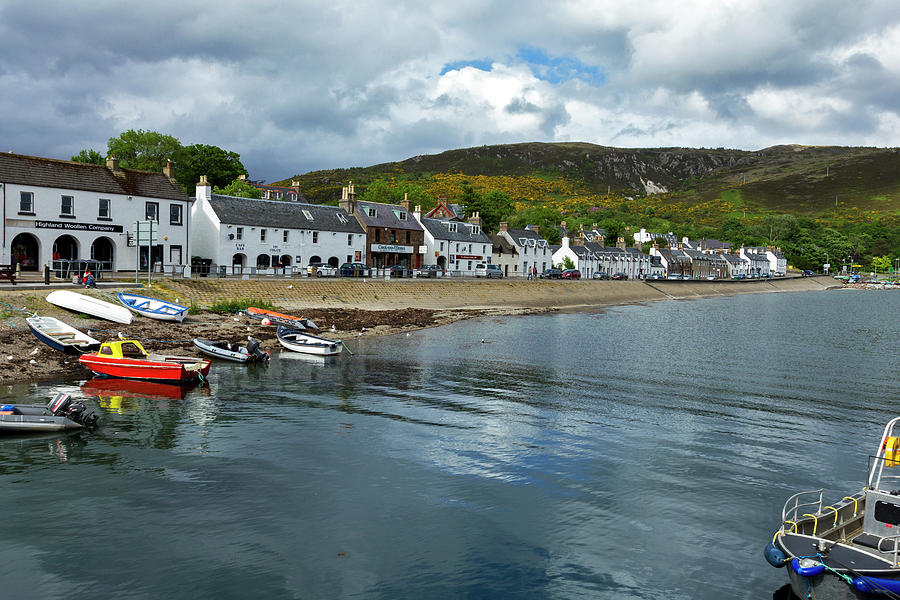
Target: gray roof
point(734, 259)
point(280, 213)
point(501, 243)
point(518, 235)
point(47, 172)
point(386, 216)
point(440, 229)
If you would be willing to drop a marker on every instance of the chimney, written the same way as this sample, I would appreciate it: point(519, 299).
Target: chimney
point(655, 246)
point(535, 228)
point(204, 190)
point(594, 226)
point(242, 177)
point(475, 219)
point(295, 186)
point(565, 241)
point(418, 213)
point(405, 203)
point(577, 241)
point(169, 170)
point(620, 243)
point(504, 226)
point(112, 163)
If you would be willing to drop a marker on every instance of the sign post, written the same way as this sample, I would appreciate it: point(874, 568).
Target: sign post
point(145, 235)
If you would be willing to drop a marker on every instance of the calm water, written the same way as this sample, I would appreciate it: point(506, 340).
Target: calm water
point(642, 452)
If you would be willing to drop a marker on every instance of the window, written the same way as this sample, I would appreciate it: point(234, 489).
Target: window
point(341, 218)
point(26, 202)
point(401, 215)
point(67, 206)
point(103, 209)
point(175, 255)
point(349, 240)
point(393, 236)
point(377, 236)
point(315, 237)
point(407, 236)
point(307, 214)
point(476, 230)
point(284, 236)
point(176, 214)
point(240, 233)
point(151, 211)
point(452, 227)
point(442, 246)
point(262, 235)
point(372, 212)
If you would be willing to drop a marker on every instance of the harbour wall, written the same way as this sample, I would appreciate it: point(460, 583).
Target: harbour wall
point(379, 294)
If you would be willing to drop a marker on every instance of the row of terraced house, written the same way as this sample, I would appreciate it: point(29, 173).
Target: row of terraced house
point(63, 214)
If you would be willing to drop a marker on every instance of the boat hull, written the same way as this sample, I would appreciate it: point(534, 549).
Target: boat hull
point(230, 352)
point(90, 306)
point(150, 370)
point(298, 341)
point(153, 307)
point(60, 336)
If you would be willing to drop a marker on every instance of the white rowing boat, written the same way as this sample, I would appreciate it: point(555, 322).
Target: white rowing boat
point(61, 336)
point(90, 306)
point(153, 307)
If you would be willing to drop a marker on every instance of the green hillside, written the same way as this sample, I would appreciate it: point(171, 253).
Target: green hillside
point(733, 195)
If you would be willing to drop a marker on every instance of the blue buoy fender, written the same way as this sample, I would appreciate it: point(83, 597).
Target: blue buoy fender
point(807, 567)
point(774, 555)
point(876, 585)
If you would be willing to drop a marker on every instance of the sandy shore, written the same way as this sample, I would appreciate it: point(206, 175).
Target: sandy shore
point(353, 308)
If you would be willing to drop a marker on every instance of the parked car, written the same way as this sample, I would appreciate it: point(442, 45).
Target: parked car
point(488, 270)
point(710, 277)
point(429, 271)
point(354, 269)
point(620, 276)
point(571, 274)
point(807, 273)
point(399, 271)
point(551, 274)
point(656, 276)
point(673, 276)
point(600, 275)
point(320, 269)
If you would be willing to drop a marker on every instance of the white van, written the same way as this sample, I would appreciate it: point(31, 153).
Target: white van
point(488, 270)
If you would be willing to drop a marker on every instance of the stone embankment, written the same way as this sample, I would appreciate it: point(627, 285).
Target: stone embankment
point(372, 294)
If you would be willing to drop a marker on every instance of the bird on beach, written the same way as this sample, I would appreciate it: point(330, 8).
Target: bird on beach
point(333, 328)
point(33, 352)
point(290, 287)
point(121, 336)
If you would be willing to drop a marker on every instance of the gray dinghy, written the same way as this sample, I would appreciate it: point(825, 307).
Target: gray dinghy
point(61, 414)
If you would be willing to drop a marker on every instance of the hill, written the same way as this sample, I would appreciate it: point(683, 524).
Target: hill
point(800, 180)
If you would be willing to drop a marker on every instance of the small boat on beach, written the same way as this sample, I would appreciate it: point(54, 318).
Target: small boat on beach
point(849, 548)
point(277, 318)
point(128, 359)
point(153, 307)
point(232, 352)
point(298, 341)
point(60, 336)
point(60, 414)
point(90, 306)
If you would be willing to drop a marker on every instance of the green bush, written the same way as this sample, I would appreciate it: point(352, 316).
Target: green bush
point(236, 305)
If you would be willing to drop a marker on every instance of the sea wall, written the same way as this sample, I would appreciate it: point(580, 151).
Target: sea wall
point(372, 294)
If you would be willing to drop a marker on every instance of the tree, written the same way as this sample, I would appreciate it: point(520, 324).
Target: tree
point(567, 263)
point(881, 263)
point(239, 188)
point(91, 157)
point(144, 150)
point(220, 166)
point(493, 207)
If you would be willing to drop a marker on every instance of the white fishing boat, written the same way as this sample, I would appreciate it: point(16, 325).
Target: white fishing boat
point(153, 307)
point(299, 341)
point(61, 336)
point(90, 306)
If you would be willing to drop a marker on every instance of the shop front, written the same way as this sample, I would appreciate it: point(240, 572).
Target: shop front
point(387, 255)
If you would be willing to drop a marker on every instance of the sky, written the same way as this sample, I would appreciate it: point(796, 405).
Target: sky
point(299, 86)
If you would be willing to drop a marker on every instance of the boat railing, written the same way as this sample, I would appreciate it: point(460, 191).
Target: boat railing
point(801, 501)
point(887, 456)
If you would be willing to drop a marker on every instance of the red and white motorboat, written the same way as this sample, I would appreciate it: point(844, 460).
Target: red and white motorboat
point(129, 360)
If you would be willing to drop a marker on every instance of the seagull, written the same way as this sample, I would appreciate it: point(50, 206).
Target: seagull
point(333, 328)
point(290, 287)
point(32, 362)
point(407, 335)
point(9, 358)
point(357, 335)
point(236, 319)
point(33, 352)
point(249, 329)
point(122, 336)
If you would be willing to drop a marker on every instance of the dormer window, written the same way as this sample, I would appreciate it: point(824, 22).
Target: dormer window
point(476, 229)
point(341, 217)
point(372, 213)
point(401, 215)
point(452, 227)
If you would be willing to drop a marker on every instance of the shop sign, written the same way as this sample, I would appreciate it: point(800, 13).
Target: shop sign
point(78, 226)
point(467, 257)
point(392, 248)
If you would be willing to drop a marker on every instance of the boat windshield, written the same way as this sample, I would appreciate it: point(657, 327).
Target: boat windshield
point(132, 349)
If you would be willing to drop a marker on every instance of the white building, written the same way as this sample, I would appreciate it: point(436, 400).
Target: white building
point(453, 244)
point(580, 256)
point(67, 211)
point(530, 250)
point(243, 233)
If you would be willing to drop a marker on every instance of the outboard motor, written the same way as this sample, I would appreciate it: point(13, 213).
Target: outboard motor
point(60, 404)
point(77, 413)
point(254, 351)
